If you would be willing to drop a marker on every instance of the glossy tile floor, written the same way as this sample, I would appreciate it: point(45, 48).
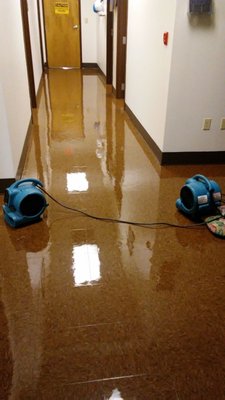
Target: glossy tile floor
point(91, 310)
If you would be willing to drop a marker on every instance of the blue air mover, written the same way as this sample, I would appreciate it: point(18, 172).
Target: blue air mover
point(24, 202)
point(199, 197)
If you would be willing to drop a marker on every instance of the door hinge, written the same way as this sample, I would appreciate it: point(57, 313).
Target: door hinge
point(122, 86)
point(124, 40)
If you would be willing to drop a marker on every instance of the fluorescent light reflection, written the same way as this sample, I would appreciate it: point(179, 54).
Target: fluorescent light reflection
point(116, 395)
point(86, 265)
point(77, 182)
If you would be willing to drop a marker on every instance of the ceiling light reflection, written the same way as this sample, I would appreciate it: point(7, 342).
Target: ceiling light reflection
point(86, 265)
point(116, 395)
point(77, 182)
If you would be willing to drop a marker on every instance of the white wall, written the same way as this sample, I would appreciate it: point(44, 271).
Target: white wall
point(15, 111)
point(93, 35)
point(35, 41)
point(15, 92)
point(197, 82)
point(171, 89)
point(148, 63)
point(89, 22)
point(115, 26)
point(6, 162)
point(101, 41)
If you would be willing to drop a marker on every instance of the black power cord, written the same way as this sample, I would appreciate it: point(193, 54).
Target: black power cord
point(120, 221)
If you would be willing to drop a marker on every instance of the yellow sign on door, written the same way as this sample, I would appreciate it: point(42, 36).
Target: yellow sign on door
point(62, 7)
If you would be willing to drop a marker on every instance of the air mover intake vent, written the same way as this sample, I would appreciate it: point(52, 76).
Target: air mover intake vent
point(32, 205)
point(187, 197)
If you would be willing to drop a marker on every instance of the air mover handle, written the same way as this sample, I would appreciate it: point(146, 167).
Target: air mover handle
point(202, 178)
point(27, 180)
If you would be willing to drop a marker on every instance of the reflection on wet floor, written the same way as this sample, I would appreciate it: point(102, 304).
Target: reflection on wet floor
point(77, 182)
point(86, 264)
point(97, 310)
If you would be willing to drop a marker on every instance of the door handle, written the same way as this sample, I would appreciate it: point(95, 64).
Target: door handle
point(75, 26)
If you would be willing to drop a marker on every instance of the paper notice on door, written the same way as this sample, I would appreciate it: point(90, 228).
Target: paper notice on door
point(62, 7)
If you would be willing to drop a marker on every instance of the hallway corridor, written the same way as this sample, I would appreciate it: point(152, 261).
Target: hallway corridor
point(93, 310)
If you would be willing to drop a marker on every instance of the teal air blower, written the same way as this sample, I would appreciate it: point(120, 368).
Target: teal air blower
point(199, 197)
point(24, 202)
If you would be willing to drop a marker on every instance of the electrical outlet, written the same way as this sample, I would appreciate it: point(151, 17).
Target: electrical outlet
point(222, 124)
point(207, 124)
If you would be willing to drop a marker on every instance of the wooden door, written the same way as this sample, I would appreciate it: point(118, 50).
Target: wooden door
point(62, 28)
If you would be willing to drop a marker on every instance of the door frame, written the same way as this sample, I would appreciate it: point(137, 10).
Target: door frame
point(40, 25)
point(28, 52)
point(122, 12)
point(43, 40)
point(109, 44)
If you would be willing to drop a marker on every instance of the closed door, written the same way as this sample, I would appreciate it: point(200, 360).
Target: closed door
point(62, 28)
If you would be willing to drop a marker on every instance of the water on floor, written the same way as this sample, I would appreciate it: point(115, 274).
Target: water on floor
point(94, 310)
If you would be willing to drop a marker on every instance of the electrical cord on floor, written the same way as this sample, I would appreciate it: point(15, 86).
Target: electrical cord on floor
point(120, 221)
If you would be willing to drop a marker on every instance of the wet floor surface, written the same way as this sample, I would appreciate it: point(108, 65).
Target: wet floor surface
point(93, 310)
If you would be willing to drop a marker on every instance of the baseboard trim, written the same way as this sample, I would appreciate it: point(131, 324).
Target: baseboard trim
point(102, 76)
point(156, 150)
point(4, 183)
point(90, 65)
point(176, 158)
point(193, 157)
point(39, 91)
point(26, 147)
point(128, 110)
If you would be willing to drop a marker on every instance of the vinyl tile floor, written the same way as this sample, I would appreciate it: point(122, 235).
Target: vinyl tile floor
point(97, 310)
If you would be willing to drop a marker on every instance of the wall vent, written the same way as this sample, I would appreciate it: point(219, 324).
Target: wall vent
point(200, 6)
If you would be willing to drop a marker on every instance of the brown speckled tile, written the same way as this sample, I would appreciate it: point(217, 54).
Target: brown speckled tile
point(93, 310)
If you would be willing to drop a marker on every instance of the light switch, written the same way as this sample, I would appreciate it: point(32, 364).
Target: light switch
point(222, 124)
point(207, 124)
